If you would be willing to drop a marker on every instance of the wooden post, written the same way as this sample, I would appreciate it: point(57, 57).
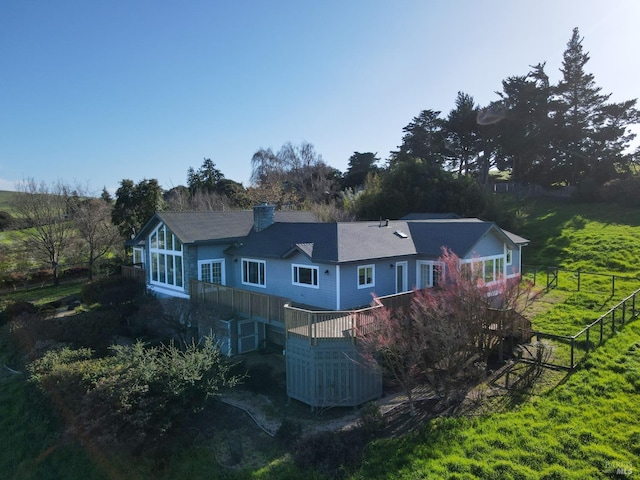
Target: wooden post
point(613, 285)
point(613, 322)
point(573, 345)
point(587, 345)
point(601, 330)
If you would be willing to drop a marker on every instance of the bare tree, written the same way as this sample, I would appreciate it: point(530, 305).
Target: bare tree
point(395, 348)
point(44, 209)
point(97, 233)
point(445, 336)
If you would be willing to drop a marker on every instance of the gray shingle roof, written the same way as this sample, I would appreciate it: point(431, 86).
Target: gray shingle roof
point(195, 227)
point(359, 241)
point(295, 231)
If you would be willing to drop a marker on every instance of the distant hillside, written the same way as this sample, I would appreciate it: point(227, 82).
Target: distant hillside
point(5, 199)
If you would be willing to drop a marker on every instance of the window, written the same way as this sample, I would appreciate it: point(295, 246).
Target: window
point(429, 274)
point(211, 271)
point(305, 276)
point(253, 272)
point(138, 256)
point(509, 256)
point(488, 269)
point(366, 276)
point(166, 258)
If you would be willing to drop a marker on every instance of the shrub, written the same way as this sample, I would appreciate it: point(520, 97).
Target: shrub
point(625, 191)
point(19, 308)
point(334, 454)
point(111, 291)
point(289, 432)
point(371, 420)
point(131, 398)
point(6, 221)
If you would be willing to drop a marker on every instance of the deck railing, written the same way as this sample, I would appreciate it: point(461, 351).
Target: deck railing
point(333, 325)
point(318, 326)
point(231, 301)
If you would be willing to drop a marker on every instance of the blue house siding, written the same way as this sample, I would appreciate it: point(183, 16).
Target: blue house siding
point(279, 281)
point(351, 296)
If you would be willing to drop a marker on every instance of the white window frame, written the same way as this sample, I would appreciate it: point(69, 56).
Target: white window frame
point(244, 264)
point(508, 256)
point(166, 261)
point(220, 261)
point(295, 275)
point(481, 264)
point(431, 264)
point(372, 283)
point(138, 256)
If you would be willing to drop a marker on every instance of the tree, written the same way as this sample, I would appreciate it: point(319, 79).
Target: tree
point(360, 165)
point(44, 210)
point(423, 139)
point(205, 179)
point(444, 337)
point(293, 176)
point(463, 140)
point(92, 219)
point(106, 196)
point(593, 135)
point(135, 205)
point(524, 132)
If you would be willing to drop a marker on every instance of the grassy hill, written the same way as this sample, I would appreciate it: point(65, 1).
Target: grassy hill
point(586, 425)
point(5, 200)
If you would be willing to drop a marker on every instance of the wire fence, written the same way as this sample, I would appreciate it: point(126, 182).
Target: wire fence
point(578, 280)
point(570, 350)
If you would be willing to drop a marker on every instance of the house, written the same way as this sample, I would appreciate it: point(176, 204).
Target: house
point(291, 281)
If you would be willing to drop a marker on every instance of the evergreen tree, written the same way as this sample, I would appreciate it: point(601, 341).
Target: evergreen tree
point(463, 140)
point(524, 130)
point(360, 165)
point(135, 205)
point(424, 139)
point(593, 135)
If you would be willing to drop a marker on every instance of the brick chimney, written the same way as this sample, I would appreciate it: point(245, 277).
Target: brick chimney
point(263, 216)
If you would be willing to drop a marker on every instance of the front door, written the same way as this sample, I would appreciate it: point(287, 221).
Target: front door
point(401, 277)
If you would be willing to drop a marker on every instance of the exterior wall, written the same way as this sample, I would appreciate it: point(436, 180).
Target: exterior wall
point(329, 375)
point(487, 246)
point(279, 281)
point(384, 281)
point(516, 262)
point(190, 264)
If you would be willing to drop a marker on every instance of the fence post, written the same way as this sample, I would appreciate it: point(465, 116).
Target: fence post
point(613, 285)
point(601, 329)
point(573, 345)
point(613, 322)
point(587, 344)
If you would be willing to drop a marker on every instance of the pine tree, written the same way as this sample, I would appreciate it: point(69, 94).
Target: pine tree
point(592, 134)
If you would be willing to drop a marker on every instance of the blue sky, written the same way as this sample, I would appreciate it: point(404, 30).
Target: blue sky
point(96, 91)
